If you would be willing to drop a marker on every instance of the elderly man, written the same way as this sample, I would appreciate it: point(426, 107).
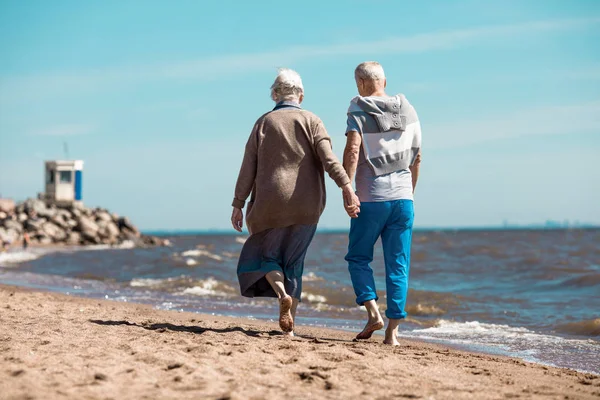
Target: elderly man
point(383, 150)
point(282, 172)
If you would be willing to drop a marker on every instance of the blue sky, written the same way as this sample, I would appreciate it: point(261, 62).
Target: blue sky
point(158, 98)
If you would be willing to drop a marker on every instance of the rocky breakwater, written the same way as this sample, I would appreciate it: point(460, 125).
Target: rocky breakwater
point(48, 224)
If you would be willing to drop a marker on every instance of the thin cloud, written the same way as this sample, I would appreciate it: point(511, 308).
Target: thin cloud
point(64, 130)
point(551, 120)
point(213, 68)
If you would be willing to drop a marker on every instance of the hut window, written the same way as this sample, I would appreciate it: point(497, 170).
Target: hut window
point(65, 176)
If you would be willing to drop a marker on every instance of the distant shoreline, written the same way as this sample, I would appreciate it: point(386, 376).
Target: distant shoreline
point(225, 232)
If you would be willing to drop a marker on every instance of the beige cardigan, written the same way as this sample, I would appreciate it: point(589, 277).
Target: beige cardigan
point(283, 167)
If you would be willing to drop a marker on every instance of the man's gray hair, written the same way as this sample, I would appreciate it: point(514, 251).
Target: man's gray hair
point(287, 86)
point(370, 71)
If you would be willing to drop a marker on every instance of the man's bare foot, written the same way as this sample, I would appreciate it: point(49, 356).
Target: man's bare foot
point(290, 334)
point(371, 327)
point(393, 341)
point(286, 322)
point(391, 337)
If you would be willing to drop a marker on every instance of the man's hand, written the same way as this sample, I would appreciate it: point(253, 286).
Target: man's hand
point(237, 219)
point(351, 202)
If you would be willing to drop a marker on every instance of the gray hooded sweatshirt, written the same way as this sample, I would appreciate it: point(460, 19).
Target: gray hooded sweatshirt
point(391, 140)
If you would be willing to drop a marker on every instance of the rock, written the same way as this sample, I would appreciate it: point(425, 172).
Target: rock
point(12, 224)
point(3, 215)
point(113, 230)
point(90, 240)
point(103, 216)
point(76, 213)
point(152, 240)
point(12, 235)
point(87, 227)
point(7, 206)
point(45, 240)
point(125, 224)
point(39, 208)
point(108, 232)
point(64, 214)
point(115, 217)
point(22, 217)
point(73, 238)
point(3, 236)
point(54, 232)
point(33, 224)
point(61, 222)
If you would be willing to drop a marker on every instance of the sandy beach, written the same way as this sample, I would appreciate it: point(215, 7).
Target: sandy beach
point(55, 346)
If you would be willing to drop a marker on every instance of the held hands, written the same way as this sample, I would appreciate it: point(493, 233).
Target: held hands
point(237, 219)
point(351, 202)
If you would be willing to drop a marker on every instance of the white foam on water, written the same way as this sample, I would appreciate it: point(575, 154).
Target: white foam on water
point(13, 257)
point(201, 253)
point(145, 282)
point(512, 341)
point(311, 277)
point(313, 298)
point(241, 240)
point(126, 244)
point(207, 287)
point(191, 261)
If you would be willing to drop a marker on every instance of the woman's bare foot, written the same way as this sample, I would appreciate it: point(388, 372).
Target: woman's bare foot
point(372, 326)
point(286, 322)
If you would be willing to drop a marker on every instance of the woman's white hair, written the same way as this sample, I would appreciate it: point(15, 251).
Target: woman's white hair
point(370, 71)
point(287, 86)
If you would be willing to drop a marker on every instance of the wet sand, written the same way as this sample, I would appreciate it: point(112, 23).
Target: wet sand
point(54, 346)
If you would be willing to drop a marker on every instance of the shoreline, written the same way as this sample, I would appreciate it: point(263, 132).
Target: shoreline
point(61, 346)
point(499, 348)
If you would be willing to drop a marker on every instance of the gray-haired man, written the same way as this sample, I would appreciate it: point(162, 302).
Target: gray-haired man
point(383, 151)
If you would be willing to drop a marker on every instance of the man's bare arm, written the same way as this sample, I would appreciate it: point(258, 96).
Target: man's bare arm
point(414, 170)
point(351, 151)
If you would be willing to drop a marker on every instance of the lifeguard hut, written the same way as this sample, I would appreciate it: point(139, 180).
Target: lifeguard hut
point(63, 181)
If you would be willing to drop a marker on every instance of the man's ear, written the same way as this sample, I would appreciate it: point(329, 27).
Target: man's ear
point(301, 98)
point(384, 83)
point(360, 84)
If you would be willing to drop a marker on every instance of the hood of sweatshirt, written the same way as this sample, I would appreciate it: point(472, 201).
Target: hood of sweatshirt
point(388, 112)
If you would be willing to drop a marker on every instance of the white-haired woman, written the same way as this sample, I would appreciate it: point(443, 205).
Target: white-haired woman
point(283, 173)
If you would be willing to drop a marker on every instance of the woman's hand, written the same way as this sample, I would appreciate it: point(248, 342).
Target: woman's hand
point(351, 202)
point(237, 219)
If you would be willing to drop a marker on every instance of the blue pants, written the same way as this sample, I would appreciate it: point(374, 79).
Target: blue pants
point(393, 221)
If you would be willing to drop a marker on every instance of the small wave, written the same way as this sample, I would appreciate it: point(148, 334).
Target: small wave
point(311, 277)
point(145, 282)
point(241, 240)
point(474, 327)
point(191, 261)
point(126, 244)
point(209, 287)
point(313, 298)
point(8, 259)
point(515, 342)
point(584, 328)
point(583, 281)
point(230, 255)
point(201, 253)
point(424, 310)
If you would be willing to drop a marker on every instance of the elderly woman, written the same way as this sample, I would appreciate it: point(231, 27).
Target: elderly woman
point(283, 171)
